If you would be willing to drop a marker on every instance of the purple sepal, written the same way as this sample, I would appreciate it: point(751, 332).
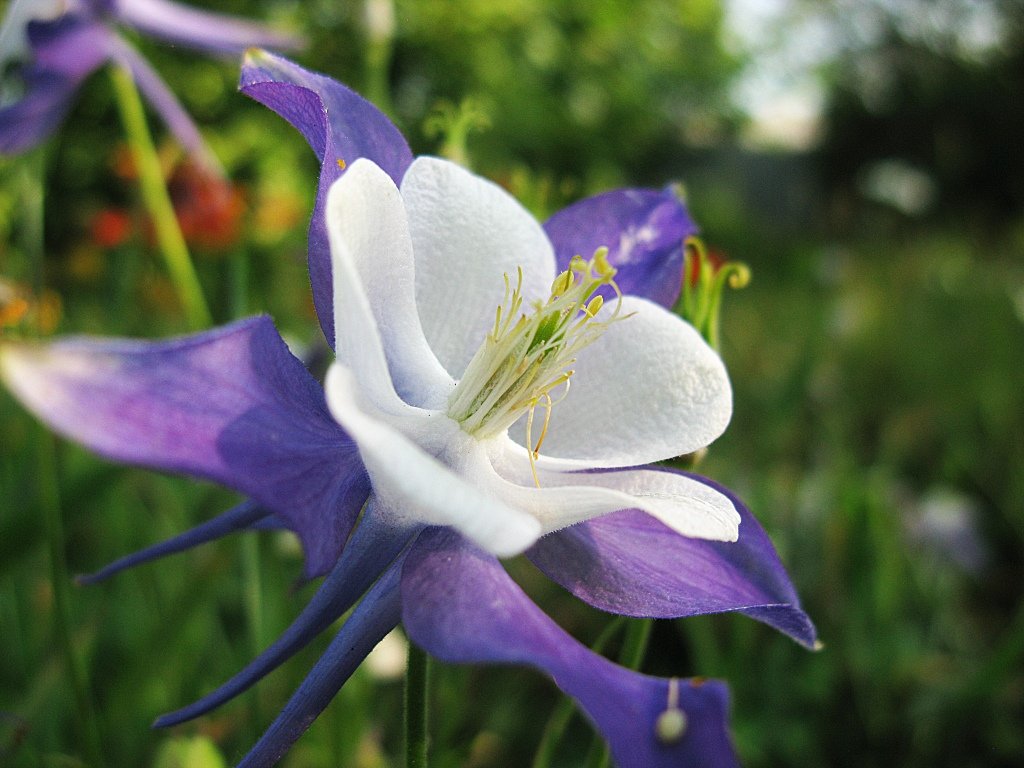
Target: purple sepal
point(72, 44)
point(373, 618)
point(195, 28)
point(30, 120)
point(460, 605)
point(242, 516)
point(643, 229)
point(373, 546)
point(270, 523)
point(630, 563)
point(340, 125)
point(65, 52)
point(231, 405)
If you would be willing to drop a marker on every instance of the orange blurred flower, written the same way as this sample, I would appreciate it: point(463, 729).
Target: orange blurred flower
point(209, 207)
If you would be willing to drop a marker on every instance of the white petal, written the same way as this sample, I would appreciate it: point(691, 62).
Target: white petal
point(467, 233)
point(687, 506)
point(650, 388)
point(417, 485)
point(375, 316)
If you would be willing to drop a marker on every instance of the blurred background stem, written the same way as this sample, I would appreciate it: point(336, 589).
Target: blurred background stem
point(48, 494)
point(49, 500)
point(251, 567)
point(417, 692)
point(158, 202)
point(379, 28)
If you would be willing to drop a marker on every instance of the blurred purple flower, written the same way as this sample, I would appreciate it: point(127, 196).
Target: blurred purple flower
point(408, 263)
point(62, 42)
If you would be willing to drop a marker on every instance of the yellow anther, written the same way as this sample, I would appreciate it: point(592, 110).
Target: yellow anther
point(526, 353)
point(341, 164)
point(600, 262)
point(562, 283)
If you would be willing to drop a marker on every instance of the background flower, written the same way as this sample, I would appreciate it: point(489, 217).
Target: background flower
point(65, 42)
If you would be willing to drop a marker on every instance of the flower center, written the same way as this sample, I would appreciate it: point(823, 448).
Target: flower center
point(527, 355)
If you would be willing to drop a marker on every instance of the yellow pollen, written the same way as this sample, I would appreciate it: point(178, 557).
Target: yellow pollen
point(341, 164)
point(528, 352)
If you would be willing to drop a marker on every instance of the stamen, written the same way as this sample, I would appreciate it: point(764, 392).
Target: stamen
point(526, 356)
point(534, 452)
point(548, 405)
point(671, 724)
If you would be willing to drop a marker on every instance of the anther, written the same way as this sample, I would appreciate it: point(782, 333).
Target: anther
point(604, 269)
point(526, 354)
point(671, 724)
point(562, 283)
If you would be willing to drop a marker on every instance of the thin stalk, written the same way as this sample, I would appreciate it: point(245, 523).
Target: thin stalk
point(48, 493)
point(157, 201)
point(49, 499)
point(239, 267)
point(379, 26)
point(253, 590)
point(634, 647)
point(33, 216)
point(417, 691)
point(251, 567)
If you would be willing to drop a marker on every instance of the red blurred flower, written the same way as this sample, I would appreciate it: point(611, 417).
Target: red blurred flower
point(208, 206)
point(110, 227)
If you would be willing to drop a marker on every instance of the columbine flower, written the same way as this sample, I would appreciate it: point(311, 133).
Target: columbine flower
point(64, 41)
point(455, 318)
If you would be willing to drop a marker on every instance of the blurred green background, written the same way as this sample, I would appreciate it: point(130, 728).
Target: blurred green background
point(864, 158)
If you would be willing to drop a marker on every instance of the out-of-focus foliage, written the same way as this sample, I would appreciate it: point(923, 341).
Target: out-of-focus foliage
point(933, 91)
point(877, 434)
point(600, 91)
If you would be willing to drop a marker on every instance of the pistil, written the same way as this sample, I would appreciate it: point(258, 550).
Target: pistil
point(527, 356)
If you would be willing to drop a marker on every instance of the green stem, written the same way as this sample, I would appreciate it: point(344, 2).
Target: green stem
point(49, 499)
point(239, 284)
point(416, 717)
point(33, 195)
point(158, 202)
point(253, 590)
point(634, 647)
point(48, 492)
point(252, 570)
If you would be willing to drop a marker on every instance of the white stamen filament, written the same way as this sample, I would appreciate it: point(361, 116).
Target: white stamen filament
point(526, 356)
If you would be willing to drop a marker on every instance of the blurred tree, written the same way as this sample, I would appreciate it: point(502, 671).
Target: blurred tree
point(596, 91)
point(934, 92)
